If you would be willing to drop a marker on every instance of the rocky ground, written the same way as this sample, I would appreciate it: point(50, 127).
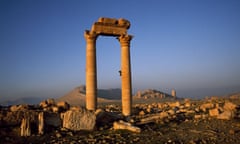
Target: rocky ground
point(212, 120)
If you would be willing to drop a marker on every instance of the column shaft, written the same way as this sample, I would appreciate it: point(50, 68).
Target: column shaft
point(126, 74)
point(91, 71)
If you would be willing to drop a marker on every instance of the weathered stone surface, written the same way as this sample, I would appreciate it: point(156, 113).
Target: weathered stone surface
point(15, 118)
point(47, 103)
point(226, 115)
point(63, 105)
point(174, 104)
point(19, 108)
point(214, 112)
point(153, 118)
point(229, 106)
point(25, 127)
point(55, 109)
point(142, 113)
point(51, 105)
point(52, 119)
point(50, 101)
point(43, 104)
point(125, 126)
point(41, 123)
point(111, 26)
point(204, 107)
point(79, 120)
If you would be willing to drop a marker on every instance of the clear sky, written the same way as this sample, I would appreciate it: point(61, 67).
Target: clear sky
point(192, 46)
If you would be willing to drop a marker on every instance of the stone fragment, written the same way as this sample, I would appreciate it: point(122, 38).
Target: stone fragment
point(50, 101)
point(63, 105)
point(226, 115)
point(197, 116)
point(41, 123)
point(141, 113)
point(25, 127)
point(229, 106)
point(55, 109)
point(200, 116)
point(153, 118)
point(174, 104)
point(214, 112)
point(187, 103)
point(171, 112)
point(58, 135)
point(125, 126)
point(79, 120)
point(43, 104)
point(47, 103)
point(19, 108)
point(204, 107)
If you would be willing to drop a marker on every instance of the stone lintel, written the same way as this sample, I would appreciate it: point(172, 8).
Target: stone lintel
point(108, 30)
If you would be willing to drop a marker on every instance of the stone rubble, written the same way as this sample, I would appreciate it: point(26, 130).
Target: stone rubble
point(67, 121)
point(25, 127)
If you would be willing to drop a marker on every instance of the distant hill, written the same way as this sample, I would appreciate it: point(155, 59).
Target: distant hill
point(78, 96)
point(234, 95)
point(151, 93)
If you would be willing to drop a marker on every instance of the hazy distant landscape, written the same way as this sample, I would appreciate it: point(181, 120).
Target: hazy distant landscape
point(76, 96)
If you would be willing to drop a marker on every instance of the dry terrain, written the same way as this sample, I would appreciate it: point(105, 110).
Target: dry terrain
point(170, 121)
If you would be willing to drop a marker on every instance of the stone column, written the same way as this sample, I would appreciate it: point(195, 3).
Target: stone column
point(174, 93)
point(91, 70)
point(41, 123)
point(126, 74)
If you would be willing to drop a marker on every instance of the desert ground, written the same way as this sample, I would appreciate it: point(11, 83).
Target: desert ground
point(153, 120)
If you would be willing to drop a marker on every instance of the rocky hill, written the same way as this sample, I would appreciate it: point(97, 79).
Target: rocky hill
point(78, 96)
point(151, 93)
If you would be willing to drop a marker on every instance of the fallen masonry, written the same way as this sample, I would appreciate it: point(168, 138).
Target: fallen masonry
point(43, 118)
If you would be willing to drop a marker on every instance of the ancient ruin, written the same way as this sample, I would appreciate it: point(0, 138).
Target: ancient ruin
point(116, 28)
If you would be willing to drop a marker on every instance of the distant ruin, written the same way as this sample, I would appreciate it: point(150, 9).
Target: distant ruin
point(116, 28)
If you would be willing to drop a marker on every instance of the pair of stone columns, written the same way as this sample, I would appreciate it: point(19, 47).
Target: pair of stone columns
point(91, 72)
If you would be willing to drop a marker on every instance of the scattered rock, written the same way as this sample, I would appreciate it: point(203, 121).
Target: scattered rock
point(125, 126)
point(229, 106)
point(214, 112)
point(174, 104)
point(204, 107)
point(63, 105)
point(19, 108)
point(226, 115)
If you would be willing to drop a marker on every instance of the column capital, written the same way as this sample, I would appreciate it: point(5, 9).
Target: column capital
point(89, 35)
point(125, 39)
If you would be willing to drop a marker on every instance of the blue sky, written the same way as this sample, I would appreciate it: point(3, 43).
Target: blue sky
point(192, 46)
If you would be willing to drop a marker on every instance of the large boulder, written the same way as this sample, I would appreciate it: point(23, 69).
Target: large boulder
point(230, 106)
point(79, 119)
point(226, 115)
